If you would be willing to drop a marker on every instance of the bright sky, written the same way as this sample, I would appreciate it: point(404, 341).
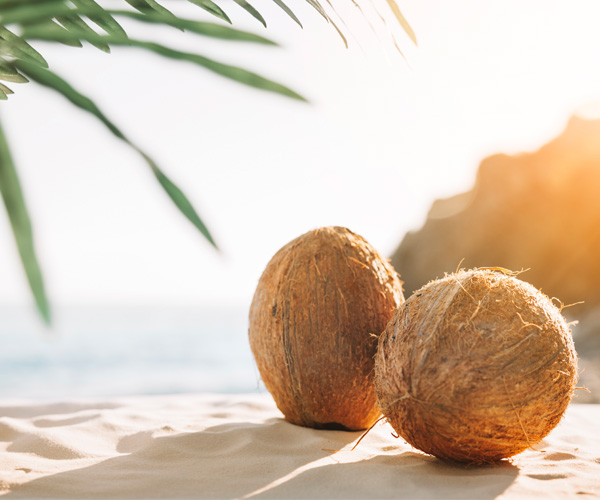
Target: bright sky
point(379, 142)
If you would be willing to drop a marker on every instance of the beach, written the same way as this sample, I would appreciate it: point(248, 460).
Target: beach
point(72, 426)
point(239, 446)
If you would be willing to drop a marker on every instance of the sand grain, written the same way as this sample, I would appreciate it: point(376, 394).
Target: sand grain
point(217, 446)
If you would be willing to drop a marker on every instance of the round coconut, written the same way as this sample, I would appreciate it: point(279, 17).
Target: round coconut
point(319, 308)
point(475, 367)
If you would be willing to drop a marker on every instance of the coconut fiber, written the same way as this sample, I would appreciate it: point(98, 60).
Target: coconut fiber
point(317, 313)
point(475, 367)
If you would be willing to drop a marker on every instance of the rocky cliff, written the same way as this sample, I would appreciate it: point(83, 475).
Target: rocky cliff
point(538, 211)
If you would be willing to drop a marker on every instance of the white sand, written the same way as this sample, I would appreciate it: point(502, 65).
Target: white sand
point(217, 446)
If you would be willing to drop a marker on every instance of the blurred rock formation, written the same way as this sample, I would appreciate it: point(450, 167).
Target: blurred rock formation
point(538, 211)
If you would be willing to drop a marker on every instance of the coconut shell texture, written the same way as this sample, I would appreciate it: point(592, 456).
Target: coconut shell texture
point(318, 310)
point(475, 367)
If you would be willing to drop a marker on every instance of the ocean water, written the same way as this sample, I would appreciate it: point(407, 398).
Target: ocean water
point(96, 352)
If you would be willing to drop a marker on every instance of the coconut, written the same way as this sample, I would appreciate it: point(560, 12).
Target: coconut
point(475, 367)
point(319, 308)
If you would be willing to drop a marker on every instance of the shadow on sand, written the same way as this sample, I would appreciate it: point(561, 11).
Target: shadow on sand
point(408, 475)
point(248, 460)
point(225, 461)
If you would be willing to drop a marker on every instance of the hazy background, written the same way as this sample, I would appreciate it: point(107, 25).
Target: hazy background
point(379, 141)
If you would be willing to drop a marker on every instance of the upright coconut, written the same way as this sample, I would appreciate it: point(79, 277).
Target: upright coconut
point(318, 310)
point(475, 367)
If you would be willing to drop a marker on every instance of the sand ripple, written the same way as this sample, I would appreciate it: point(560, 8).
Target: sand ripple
point(216, 446)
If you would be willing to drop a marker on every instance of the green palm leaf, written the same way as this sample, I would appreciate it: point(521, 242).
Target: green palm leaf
point(288, 11)
point(101, 17)
point(9, 74)
point(198, 27)
point(51, 80)
point(252, 11)
point(36, 29)
point(319, 8)
point(181, 201)
point(14, 46)
point(50, 24)
point(212, 8)
point(5, 89)
point(14, 201)
point(146, 6)
point(75, 24)
point(232, 72)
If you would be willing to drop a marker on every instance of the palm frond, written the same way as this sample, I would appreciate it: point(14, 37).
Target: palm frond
point(51, 80)
point(252, 11)
point(319, 8)
point(14, 201)
point(288, 11)
point(402, 20)
point(102, 19)
point(8, 73)
point(52, 25)
point(76, 25)
point(148, 6)
point(212, 8)
point(72, 22)
point(228, 71)
point(38, 31)
point(5, 90)
point(111, 26)
point(58, 21)
point(14, 46)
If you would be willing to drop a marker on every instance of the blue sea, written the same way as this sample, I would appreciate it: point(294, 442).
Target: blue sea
point(93, 352)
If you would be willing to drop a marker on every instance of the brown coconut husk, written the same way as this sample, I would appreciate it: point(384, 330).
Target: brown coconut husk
point(475, 367)
point(319, 308)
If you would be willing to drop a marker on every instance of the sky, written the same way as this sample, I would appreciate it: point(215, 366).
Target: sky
point(382, 136)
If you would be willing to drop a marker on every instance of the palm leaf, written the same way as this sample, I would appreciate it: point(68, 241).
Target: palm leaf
point(27, 12)
point(252, 11)
point(75, 24)
point(101, 17)
point(147, 6)
point(51, 80)
point(198, 27)
point(5, 89)
point(232, 72)
point(212, 8)
point(50, 24)
point(38, 19)
point(15, 46)
point(288, 11)
point(181, 201)
point(14, 201)
point(317, 6)
point(385, 24)
point(9, 74)
point(402, 20)
point(35, 28)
